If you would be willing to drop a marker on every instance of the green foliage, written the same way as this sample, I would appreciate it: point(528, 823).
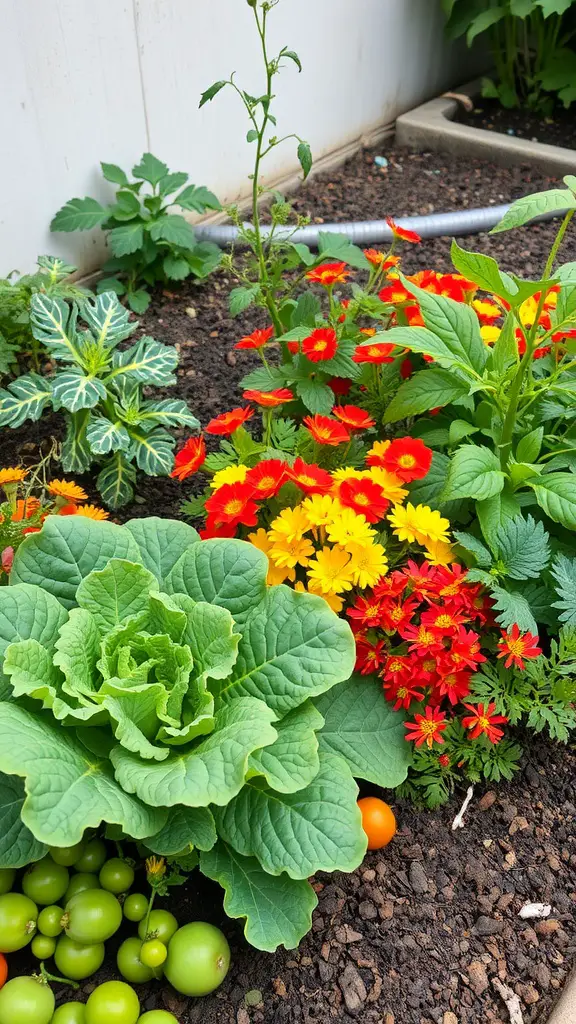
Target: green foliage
point(149, 244)
point(157, 684)
point(100, 389)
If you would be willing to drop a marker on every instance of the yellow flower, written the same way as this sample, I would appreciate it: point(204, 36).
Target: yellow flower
point(348, 473)
point(331, 572)
point(369, 563)
point(390, 484)
point(321, 509)
point(156, 867)
point(289, 553)
point(439, 552)
point(490, 333)
point(420, 523)
point(334, 601)
point(289, 525)
point(229, 475)
point(92, 512)
point(348, 527)
point(484, 307)
point(67, 489)
point(12, 475)
point(378, 448)
point(275, 575)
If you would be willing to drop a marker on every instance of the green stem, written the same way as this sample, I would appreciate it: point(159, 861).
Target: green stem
point(46, 977)
point(149, 911)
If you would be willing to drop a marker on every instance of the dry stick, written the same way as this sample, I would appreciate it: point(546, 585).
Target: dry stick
point(459, 819)
point(511, 1000)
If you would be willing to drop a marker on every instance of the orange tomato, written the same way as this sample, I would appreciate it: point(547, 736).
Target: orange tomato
point(3, 970)
point(378, 821)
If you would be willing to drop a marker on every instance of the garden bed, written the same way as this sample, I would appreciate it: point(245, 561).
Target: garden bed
point(557, 130)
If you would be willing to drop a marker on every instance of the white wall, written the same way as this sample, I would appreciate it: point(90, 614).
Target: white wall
point(89, 80)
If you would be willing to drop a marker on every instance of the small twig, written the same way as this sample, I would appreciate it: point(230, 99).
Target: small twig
point(460, 97)
point(511, 1001)
point(459, 819)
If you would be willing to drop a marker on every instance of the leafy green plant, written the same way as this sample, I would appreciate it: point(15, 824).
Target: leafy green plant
point(100, 388)
point(149, 242)
point(17, 341)
point(528, 41)
point(154, 682)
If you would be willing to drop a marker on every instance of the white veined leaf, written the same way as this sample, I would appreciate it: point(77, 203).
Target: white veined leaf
point(108, 319)
point(53, 322)
point(76, 454)
point(171, 412)
point(104, 437)
point(116, 481)
point(148, 362)
point(24, 399)
point(154, 452)
point(73, 391)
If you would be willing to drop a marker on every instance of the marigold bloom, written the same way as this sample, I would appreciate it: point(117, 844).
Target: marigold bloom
point(515, 646)
point(427, 728)
point(465, 650)
point(381, 259)
point(395, 293)
point(422, 638)
point(329, 274)
point(309, 477)
point(229, 475)
point(364, 496)
point(404, 233)
point(67, 489)
point(269, 399)
point(25, 509)
point(290, 524)
point(353, 416)
point(401, 692)
point(267, 477)
point(12, 475)
point(442, 620)
point(365, 612)
point(374, 352)
point(482, 720)
point(396, 615)
point(67, 510)
point(233, 504)
point(92, 512)
point(350, 527)
point(320, 345)
point(370, 657)
point(257, 339)
point(321, 509)
point(439, 552)
point(418, 523)
point(228, 422)
point(325, 430)
point(290, 553)
point(331, 571)
point(408, 457)
point(453, 685)
point(369, 563)
point(189, 459)
point(275, 575)
point(422, 578)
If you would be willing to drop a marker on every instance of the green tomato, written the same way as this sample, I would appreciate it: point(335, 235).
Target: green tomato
point(26, 1001)
point(80, 882)
point(162, 925)
point(45, 882)
point(92, 857)
point(92, 916)
point(43, 947)
point(7, 876)
point(66, 855)
point(153, 953)
point(157, 1017)
point(135, 907)
point(77, 961)
point(130, 964)
point(70, 1013)
point(198, 959)
point(49, 921)
point(114, 1002)
point(18, 916)
point(116, 875)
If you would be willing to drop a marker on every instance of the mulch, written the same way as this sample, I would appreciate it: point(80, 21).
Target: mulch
point(419, 933)
point(557, 129)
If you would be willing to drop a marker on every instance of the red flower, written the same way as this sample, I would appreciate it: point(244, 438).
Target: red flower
point(233, 503)
point(340, 385)
point(398, 614)
point(408, 457)
point(395, 294)
point(7, 559)
point(214, 529)
point(329, 274)
point(483, 720)
point(228, 422)
point(406, 369)
point(374, 352)
point(310, 478)
point(267, 477)
point(255, 340)
point(465, 650)
point(442, 620)
point(325, 430)
point(293, 347)
point(369, 657)
point(353, 416)
point(427, 728)
point(515, 646)
point(402, 692)
point(269, 399)
point(451, 580)
point(390, 586)
point(422, 578)
point(189, 459)
point(381, 259)
point(453, 685)
point(320, 345)
point(444, 761)
point(421, 638)
point(71, 510)
point(364, 613)
point(365, 497)
point(403, 233)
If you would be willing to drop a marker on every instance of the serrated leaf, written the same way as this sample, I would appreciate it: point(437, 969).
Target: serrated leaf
point(114, 173)
point(211, 92)
point(79, 215)
point(424, 390)
point(172, 227)
point(73, 390)
point(127, 238)
point(455, 326)
point(116, 481)
point(510, 607)
point(474, 472)
point(264, 378)
point(148, 362)
point(524, 547)
point(471, 543)
point(564, 572)
point(172, 181)
point(317, 397)
point(504, 354)
point(484, 21)
point(26, 613)
point(104, 436)
point(108, 319)
point(198, 198)
point(18, 847)
point(305, 158)
point(486, 273)
point(24, 399)
point(241, 298)
point(175, 267)
point(291, 762)
point(527, 208)
point(150, 169)
point(186, 827)
point(127, 206)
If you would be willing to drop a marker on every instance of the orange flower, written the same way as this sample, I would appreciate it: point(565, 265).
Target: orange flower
point(310, 478)
point(269, 399)
point(321, 344)
point(228, 422)
point(68, 510)
point(395, 293)
point(353, 416)
point(408, 458)
point(233, 504)
point(329, 274)
point(381, 259)
point(483, 720)
point(12, 475)
point(325, 430)
point(379, 352)
point(67, 489)
point(92, 512)
point(365, 497)
point(25, 509)
point(515, 646)
point(427, 728)
point(267, 477)
point(255, 340)
point(189, 459)
point(403, 233)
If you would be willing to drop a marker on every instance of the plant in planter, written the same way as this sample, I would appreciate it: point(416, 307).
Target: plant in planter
point(155, 682)
point(149, 243)
point(100, 387)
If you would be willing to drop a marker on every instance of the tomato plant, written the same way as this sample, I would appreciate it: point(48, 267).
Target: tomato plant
point(45, 882)
point(130, 964)
point(3, 970)
point(161, 925)
point(7, 876)
point(43, 946)
point(26, 1001)
point(18, 916)
point(378, 821)
point(92, 857)
point(116, 875)
point(153, 953)
point(66, 855)
point(92, 916)
point(198, 959)
point(49, 921)
point(114, 1002)
point(135, 907)
point(76, 960)
point(70, 1013)
point(78, 883)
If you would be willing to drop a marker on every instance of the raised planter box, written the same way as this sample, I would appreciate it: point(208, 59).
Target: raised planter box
point(432, 126)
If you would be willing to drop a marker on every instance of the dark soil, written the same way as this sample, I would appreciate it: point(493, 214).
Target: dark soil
point(558, 130)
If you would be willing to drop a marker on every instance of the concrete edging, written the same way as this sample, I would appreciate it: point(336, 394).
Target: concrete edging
point(565, 1010)
point(432, 126)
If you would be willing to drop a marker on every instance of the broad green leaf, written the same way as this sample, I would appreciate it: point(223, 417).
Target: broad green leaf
point(172, 181)
point(316, 829)
point(76, 452)
point(521, 8)
point(134, 712)
point(363, 728)
point(305, 158)
point(459, 429)
point(108, 319)
point(147, 362)
point(306, 310)
point(264, 378)
point(493, 512)
point(104, 437)
point(209, 633)
point(476, 548)
point(291, 762)
point(474, 472)
point(484, 21)
point(66, 550)
point(556, 494)
point(197, 198)
point(116, 481)
point(153, 452)
point(170, 412)
point(172, 227)
point(186, 827)
point(426, 389)
point(211, 772)
point(317, 397)
point(127, 238)
point(27, 612)
point(138, 301)
point(555, 200)
point(161, 542)
point(486, 273)
point(114, 173)
point(334, 246)
point(68, 788)
point(511, 607)
point(74, 391)
point(24, 399)
point(114, 593)
point(550, 7)
point(229, 573)
point(18, 847)
point(53, 322)
point(175, 267)
point(455, 326)
point(524, 547)
point(564, 572)
point(126, 207)
point(211, 92)
point(150, 169)
point(277, 910)
point(79, 215)
point(528, 448)
point(77, 653)
point(504, 353)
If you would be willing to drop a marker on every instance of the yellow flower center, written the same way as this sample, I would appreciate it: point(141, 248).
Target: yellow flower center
point(402, 692)
point(308, 481)
point(444, 621)
point(516, 647)
point(407, 461)
point(233, 507)
point(396, 614)
point(484, 723)
point(428, 728)
point(429, 666)
point(362, 499)
point(424, 637)
point(319, 346)
point(396, 666)
point(450, 590)
point(371, 613)
point(266, 482)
